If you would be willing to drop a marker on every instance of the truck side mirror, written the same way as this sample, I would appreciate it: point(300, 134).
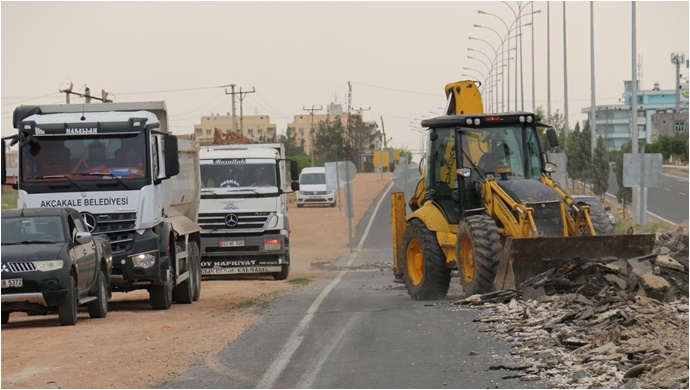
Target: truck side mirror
point(552, 137)
point(4, 164)
point(172, 162)
point(294, 175)
point(294, 170)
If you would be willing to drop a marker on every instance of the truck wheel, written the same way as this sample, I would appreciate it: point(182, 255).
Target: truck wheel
point(161, 295)
point(284, 269)
point(600, 221)
point(99, 307)
point(5, 317)
point(184, 292)
point(67, 310)
point(196, 269)
point(424, 264)
point(478, 251)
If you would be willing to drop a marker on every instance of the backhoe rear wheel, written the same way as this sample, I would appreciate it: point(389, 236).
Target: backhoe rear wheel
point(478, 251)
point(424, 264)
point(601, 222)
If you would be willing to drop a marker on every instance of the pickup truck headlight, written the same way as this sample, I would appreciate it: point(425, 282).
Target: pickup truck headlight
point(272, 244)
point(144, 260)
point(48, 265)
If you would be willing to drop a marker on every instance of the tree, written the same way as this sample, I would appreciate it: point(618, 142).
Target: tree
point(329, 142)
point(292, 147)
point(557, 121)
point(600, 169)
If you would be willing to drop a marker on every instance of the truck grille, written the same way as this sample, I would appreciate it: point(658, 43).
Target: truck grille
point(548, 218)
point(119, 227)
point(315, 192)
point(19, 267)
point(234, 222)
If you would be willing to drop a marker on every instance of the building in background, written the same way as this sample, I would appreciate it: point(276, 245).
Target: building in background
point(305, 126)
point(656, 111)
point(255, 127)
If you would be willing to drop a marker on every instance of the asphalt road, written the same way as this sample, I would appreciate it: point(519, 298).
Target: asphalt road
point(358, 329)
point(669, 202)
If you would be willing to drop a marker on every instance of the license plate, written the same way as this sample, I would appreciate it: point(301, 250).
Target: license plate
point(12, 283)
point(226, 244)
point(241, 270)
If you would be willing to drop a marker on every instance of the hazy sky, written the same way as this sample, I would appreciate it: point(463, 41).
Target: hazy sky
point(398, 56)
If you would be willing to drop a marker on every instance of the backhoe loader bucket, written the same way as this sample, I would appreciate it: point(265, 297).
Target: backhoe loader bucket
point(523, 258)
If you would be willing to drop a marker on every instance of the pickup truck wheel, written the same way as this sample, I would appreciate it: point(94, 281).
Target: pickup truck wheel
point(99, 307)
point(284, 269)
point(67, 310)
point(5, 317)
point(161, 295)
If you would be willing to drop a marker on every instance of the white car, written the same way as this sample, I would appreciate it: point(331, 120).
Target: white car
point(313, 189)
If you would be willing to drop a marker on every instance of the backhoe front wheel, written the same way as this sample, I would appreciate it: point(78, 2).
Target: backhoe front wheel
point(478, 251)
point(424, 264)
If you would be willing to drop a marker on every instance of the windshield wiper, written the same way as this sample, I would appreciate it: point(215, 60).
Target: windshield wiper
point(110, 175)
point(59, 176)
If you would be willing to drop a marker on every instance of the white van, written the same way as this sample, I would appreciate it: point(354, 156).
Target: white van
point(312, 188)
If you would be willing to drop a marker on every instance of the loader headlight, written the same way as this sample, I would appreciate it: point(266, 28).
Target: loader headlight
point(550, 167)
point(468, 121)
point(48, 265)
point(477, 121)
point(144, 260)
point(464, 172)
point(529, 119)
point(521, 118)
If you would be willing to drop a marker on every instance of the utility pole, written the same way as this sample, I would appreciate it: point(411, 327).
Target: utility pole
point(677, 59)
point(311, 131)
point(566, 125)
point(232, 89)
point(383, 129)
point(86, 95)
point(242, 96)
point(593, 109)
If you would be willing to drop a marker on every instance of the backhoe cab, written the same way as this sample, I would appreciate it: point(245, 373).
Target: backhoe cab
point(486, 205)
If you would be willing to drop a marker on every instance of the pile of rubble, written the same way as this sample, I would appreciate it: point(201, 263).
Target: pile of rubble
point(610, 323)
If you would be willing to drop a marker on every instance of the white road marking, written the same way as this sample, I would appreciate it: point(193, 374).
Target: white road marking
point(295, 340)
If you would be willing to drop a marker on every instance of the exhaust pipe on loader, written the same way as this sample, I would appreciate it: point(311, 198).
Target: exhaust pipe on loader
point(524, 258)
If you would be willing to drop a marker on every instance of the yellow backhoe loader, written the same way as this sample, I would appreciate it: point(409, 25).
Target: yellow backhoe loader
point(487, 207)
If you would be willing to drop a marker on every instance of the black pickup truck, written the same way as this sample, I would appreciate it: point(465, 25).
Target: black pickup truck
point(51, 262)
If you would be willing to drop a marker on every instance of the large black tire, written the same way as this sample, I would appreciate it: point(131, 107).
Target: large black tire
point(161, 295)
point(601, 222)
point(478, 252)
point(5, 317)
point(67, 310)
point(184, 292)
point(284, 269)
point(195, 255)
point(99, 307)
point(424, 263)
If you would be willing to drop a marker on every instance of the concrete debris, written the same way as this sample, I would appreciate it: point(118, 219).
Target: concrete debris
point(602, 324)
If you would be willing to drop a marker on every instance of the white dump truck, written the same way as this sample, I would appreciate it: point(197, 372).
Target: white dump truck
point(129, 177)
point(243, 212)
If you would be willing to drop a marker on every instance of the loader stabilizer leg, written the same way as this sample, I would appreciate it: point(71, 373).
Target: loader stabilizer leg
point(524, 258)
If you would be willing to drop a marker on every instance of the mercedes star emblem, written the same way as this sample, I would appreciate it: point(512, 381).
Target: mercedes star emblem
point(89, 220)
point(231, 220)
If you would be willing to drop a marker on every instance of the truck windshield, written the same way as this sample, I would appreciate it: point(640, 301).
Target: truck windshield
point(222, 173)
point(85, 158)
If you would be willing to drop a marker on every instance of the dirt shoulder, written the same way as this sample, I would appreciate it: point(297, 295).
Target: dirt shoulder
point(136, 347)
